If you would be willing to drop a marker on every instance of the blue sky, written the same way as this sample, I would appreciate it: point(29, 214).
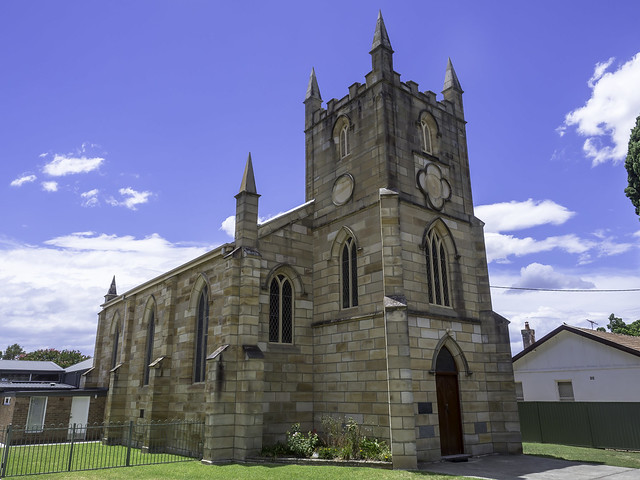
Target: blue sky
point(124, 129)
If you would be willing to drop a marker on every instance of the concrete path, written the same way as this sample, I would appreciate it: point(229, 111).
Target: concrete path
point(529, 467)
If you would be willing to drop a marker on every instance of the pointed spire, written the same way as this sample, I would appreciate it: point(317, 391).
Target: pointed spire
point(313, 91)
point(248, 180)
point(112, 293)
point(112, 288)
point(451, 79)
point(380, 37)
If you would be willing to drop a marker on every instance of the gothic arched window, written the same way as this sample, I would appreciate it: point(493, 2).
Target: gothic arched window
point(437, 270)
point(349, 274)
point(426, 136)
point(148, 356)
point(280, 310)
point(344, 141)
point(114, 352)
point(202, 333)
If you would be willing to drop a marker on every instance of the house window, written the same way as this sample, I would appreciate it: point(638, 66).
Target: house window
point(565, 391)
point(35, 417)
point(149, 352)
point(202, 333)
point(280, 310)
point(349, 274)
point(344, 141)
point(437, 270)
point(519, 392)
point(114, 353)
point(426, 136)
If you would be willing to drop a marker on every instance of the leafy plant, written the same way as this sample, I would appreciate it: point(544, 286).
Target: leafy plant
point(300, 444)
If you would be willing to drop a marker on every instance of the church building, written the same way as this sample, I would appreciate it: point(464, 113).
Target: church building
point(370, 300)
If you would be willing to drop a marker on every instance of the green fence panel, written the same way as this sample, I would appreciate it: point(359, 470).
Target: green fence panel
point(615, 425)
point(530, 422)
point(586, 424)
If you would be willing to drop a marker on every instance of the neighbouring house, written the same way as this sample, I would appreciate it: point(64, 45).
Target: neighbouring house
point(39, 393)
point(370, 300)
point(578, 364)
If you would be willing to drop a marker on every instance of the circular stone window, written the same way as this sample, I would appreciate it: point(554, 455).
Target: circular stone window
point(342, 189)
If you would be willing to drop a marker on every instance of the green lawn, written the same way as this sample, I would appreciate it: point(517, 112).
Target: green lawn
point(195, 470)
point(615, 458)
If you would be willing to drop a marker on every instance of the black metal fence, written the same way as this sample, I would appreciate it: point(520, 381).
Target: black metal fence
point(585, 424)
point(51, 449)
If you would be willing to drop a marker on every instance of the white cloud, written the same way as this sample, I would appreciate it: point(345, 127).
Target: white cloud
point(18, 182)
point(228, 226)
point(546, 311)
point(536, 275)
point(90, 198)
point(56, 288)
point(599, 71)
point(50, 186)
point(608, 116)
point(510, 216)
point(67, 165)
point(132, 198)
point(501, 246)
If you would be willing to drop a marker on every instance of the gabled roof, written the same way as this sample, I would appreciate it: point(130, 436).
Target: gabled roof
point(624, 343)
point(29, 366)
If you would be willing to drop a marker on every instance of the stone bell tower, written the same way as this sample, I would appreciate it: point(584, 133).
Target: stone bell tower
point(387, 166)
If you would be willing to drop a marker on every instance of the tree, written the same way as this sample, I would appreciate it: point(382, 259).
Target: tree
point(64, 358)
point(13, 352)
point(616, 325)
point(632, 164)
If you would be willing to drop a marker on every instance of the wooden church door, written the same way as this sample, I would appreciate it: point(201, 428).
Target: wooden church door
point(449, 416)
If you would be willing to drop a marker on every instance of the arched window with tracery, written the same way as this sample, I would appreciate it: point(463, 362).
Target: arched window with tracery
point(202, 334)
point(349, 274)
point(116, 341)
point(344, 141)
point(148, 355)
point(280, 310)
point(437, 270)
point(426, 136)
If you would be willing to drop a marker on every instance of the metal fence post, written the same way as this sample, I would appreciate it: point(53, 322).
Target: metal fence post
point(73, 437)
point(5, 455)
point(129, 443)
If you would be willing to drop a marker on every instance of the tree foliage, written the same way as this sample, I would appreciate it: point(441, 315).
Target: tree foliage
point(64, 358)
point(12, 352)
point(616, 325)
point(632, 164)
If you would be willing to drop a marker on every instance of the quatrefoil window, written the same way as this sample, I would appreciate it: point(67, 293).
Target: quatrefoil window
point(436, 188)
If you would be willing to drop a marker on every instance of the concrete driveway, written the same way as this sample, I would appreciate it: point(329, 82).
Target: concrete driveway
point(529, 467)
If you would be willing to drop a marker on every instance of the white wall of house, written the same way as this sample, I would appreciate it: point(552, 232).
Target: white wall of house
point(598, 373)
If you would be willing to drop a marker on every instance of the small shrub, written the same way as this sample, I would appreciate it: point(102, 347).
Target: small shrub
point(372, 449)
point(299, 444)
point(328, 453)
point(277, 450)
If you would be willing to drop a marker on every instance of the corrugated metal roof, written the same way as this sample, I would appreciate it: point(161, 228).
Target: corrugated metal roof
point(6, 386)
point(84, 365)
point(29, 366)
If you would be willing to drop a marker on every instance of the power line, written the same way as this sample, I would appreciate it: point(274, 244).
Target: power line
point(571, 290)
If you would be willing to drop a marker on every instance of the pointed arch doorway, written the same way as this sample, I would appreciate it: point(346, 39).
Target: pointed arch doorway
point(449, 417)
